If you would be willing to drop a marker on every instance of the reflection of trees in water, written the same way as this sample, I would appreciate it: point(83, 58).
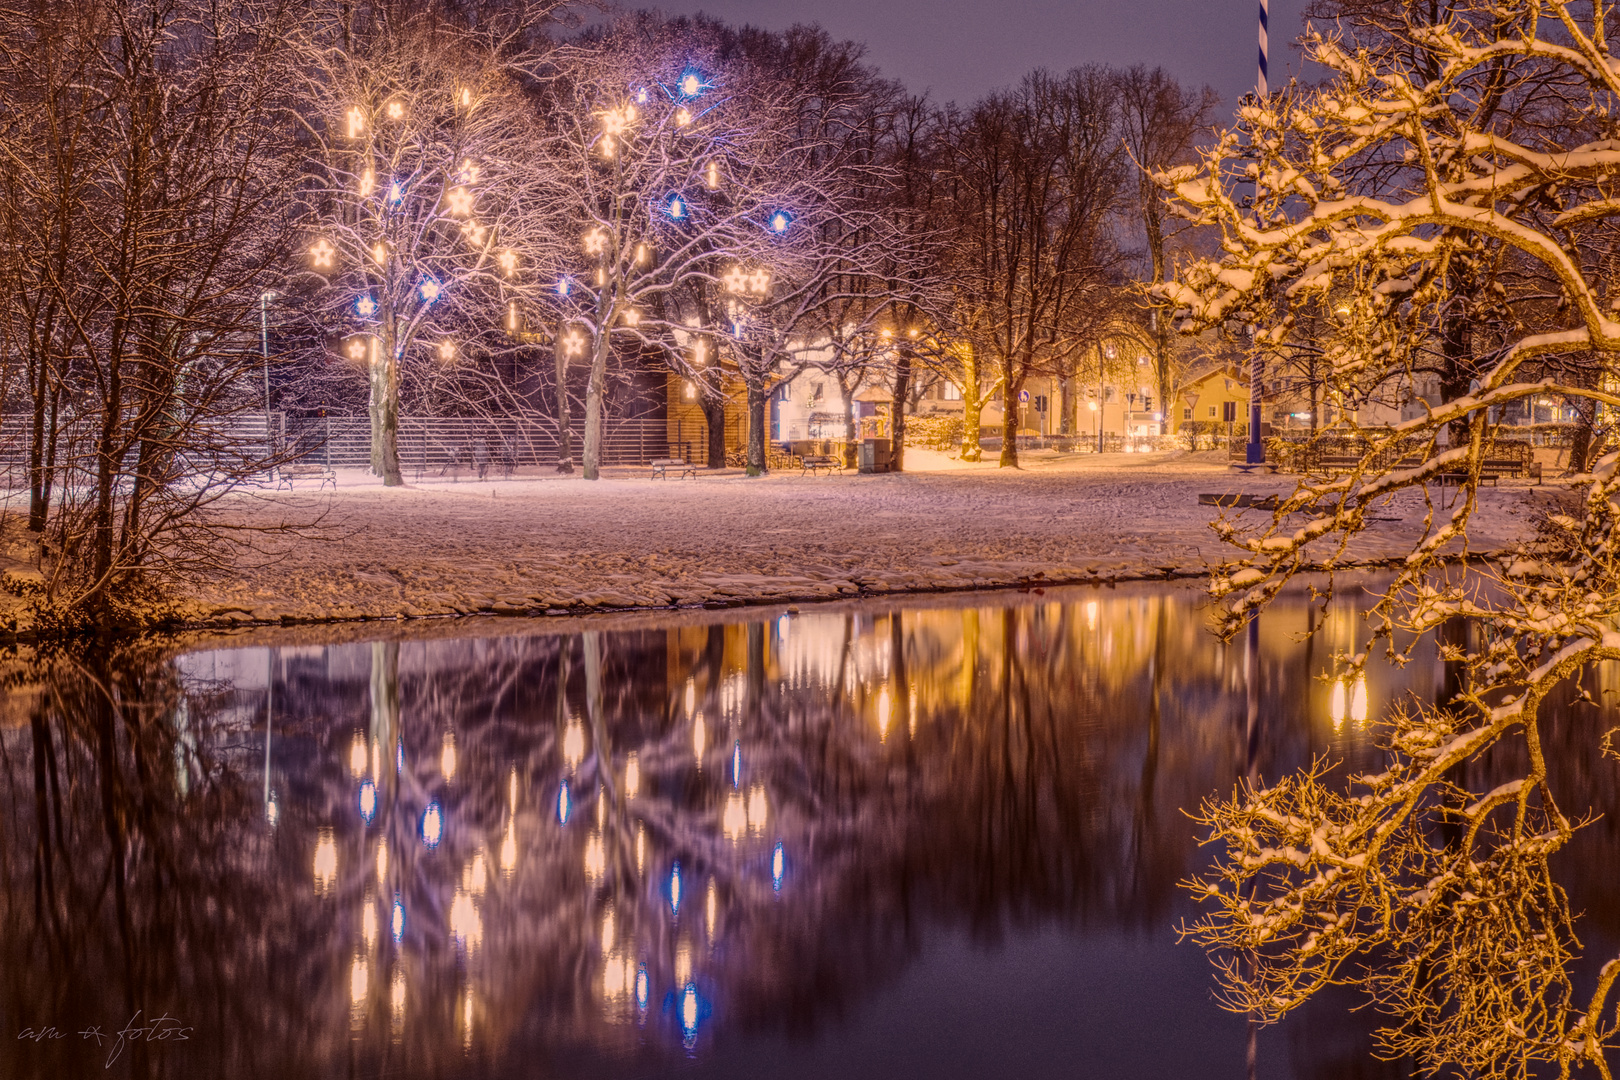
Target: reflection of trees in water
point(987, 769)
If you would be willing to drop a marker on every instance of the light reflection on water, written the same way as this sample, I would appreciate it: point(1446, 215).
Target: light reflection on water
point(935, 839)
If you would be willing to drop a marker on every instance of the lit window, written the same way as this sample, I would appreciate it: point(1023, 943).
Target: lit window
point(1212, 412)
point(949, 391)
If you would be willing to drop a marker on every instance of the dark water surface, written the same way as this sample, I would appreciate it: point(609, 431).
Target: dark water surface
point(935, 839)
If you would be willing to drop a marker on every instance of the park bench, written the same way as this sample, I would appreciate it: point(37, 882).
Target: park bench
point(661, 468)
point(1241, 501)
point(1493, 469)
point(811, 462)
point(303, 470)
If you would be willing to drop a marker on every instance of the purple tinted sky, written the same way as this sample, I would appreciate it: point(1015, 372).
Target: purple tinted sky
point(959, 49)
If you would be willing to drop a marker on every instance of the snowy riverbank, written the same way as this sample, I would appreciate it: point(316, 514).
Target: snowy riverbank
point(537, 544)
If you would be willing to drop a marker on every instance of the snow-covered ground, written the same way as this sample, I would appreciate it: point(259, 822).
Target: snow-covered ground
point(548, 542)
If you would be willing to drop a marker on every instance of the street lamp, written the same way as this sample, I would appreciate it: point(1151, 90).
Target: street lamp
point(264, 351)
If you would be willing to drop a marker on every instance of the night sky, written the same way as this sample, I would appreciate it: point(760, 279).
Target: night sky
point(959, 49)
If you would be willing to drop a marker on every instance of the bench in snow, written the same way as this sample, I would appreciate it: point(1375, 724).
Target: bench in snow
point(286, 474)
point(661, 468)
point(811, 462)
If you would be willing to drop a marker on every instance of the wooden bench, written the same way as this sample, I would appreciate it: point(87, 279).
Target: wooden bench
point(811, 462)
point(1493, 469)
point(1243, 501)
point(302, 470)
point(662, 466)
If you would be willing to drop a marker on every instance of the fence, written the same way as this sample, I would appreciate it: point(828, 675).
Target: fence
point(442, 443)
point(426, 444)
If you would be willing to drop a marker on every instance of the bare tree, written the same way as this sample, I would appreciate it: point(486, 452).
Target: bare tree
point(422, 149)
point(144, 195)
point(1038, 178)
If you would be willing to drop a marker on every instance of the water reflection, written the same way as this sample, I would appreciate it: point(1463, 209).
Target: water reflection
point(748, 847)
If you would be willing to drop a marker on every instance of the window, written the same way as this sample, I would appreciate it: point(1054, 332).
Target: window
point(1212, 412)
point(949, 391)
point(1186, 414)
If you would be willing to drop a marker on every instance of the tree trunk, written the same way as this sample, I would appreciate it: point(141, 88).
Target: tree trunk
point(972, 404)
point(1009, 425)
point(594, 391)
point(565, 416)
point(902, 390)
point(1068, 417)
point(713, 404)
point(385, 411)
point(757, 397)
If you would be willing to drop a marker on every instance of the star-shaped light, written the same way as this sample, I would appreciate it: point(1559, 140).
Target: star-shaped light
point(595, 242)
point(396, 193)
point(460, 200)
point(323, 253)
point(683, 117)
point(357, 349)
point(396, 110)
point(430, 291)
point(780, 221)
point(759, 281)
point(469, 172)
point(573, 343)
point(447, 350)
point(736, 279)
point(631, 316)
point(691, 85)
point(508, 261)
point(366, 306)
point(474, 233)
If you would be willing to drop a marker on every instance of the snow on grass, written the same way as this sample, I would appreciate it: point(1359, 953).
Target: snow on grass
point(544, 542)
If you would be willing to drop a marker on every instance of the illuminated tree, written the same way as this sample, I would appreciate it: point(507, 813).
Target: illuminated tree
point(422, 147)
point(1406, 197)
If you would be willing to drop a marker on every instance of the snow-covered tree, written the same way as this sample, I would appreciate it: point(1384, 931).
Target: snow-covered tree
point(1473, 171)
point(422, 143)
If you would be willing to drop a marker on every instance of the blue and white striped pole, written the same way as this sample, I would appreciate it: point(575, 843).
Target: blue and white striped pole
point(1255, 452)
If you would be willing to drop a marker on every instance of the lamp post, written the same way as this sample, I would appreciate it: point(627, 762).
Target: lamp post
point(264, 352)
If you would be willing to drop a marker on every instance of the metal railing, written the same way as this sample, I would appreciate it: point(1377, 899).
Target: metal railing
point(446, 443)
